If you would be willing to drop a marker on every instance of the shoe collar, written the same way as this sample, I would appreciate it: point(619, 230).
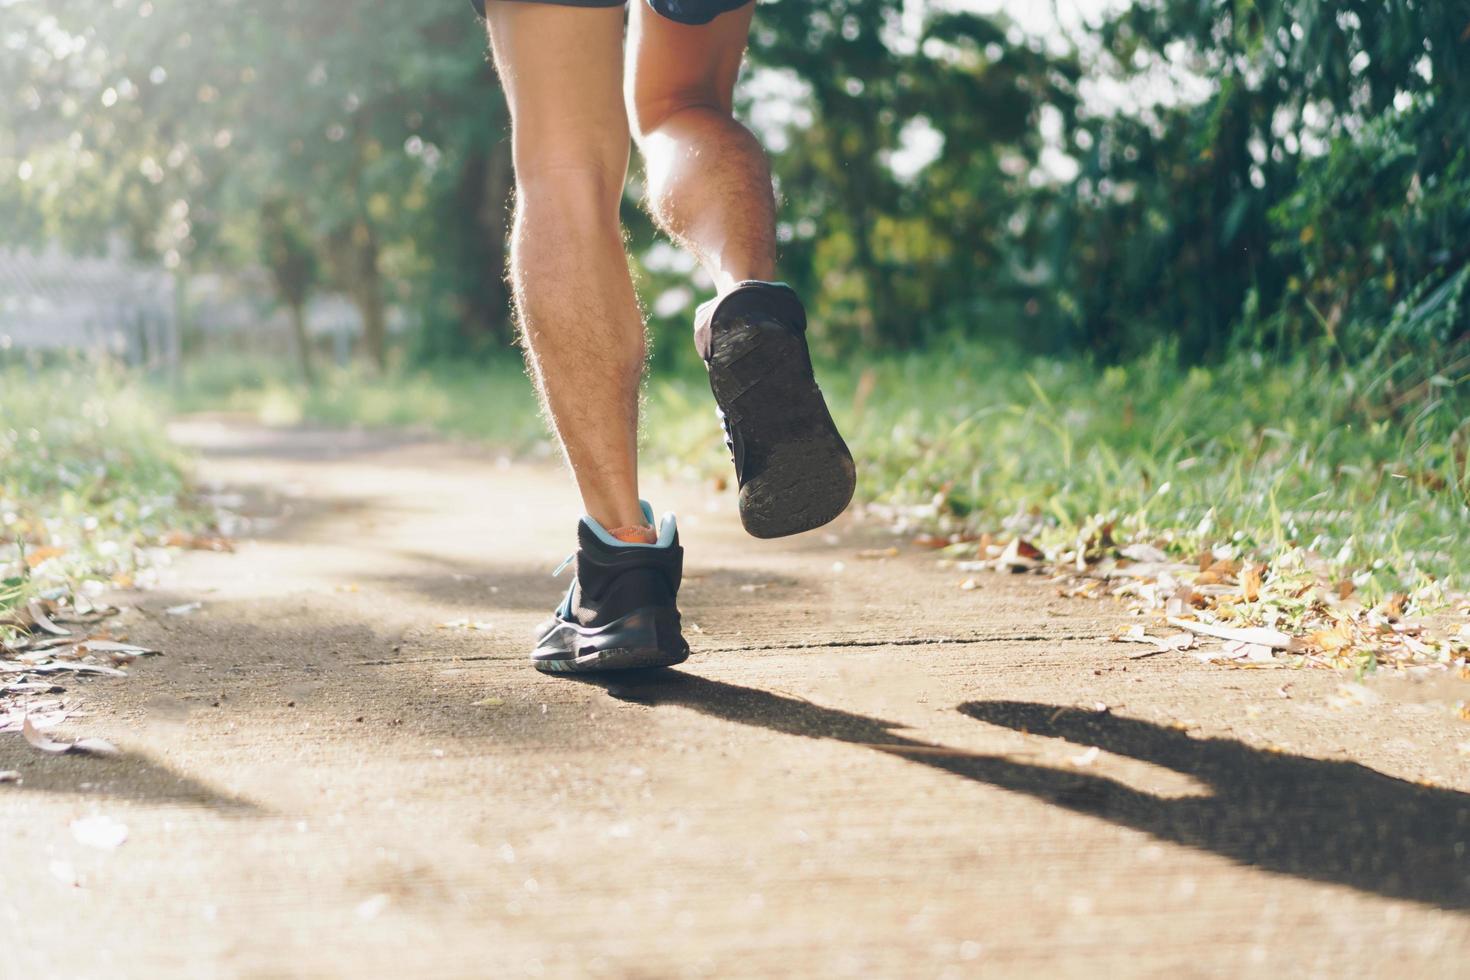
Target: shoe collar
point(668, 529)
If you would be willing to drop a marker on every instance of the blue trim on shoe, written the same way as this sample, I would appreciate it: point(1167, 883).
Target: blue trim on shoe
point(666, 530)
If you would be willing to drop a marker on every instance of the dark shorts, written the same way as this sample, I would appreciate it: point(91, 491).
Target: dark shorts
point(683, 11)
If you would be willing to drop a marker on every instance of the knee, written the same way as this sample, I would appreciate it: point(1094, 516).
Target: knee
point(579, 186)
point(649, 109)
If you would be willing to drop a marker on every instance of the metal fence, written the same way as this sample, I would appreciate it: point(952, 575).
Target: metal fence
point(53, 301)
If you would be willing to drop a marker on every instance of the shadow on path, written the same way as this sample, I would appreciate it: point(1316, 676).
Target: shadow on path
point(1329, 821)
point(130, 776)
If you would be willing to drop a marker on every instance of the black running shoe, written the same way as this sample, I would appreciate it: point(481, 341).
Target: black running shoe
point(620, 612)
point(794, 471)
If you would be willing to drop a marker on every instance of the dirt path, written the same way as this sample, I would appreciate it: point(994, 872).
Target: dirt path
point(862, 771)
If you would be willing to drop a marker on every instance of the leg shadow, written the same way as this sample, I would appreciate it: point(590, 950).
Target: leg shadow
point(129, 776)
point(1329, 821)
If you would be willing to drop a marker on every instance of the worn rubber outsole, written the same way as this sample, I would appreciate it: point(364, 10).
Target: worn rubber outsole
point(642, 639)
point(804, 475)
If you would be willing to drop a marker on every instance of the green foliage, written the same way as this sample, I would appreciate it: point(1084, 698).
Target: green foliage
point(1251, 453)
point(891, 255)
point(1320, 189)
point(1233, 172)
point(88, 480)
point(182, 124)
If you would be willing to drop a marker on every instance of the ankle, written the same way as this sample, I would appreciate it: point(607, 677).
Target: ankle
point(727, 280)
point(635, 534)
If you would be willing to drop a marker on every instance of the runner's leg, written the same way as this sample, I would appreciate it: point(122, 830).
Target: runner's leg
point(709, 185)
point(561, 68)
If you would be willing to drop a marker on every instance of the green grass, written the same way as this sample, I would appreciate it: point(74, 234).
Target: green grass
point(88, 481)
point(1365, 467)
point(1259, 455)
point(491, 402)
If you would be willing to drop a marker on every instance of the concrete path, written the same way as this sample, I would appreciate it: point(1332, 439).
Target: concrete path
point(862, 771)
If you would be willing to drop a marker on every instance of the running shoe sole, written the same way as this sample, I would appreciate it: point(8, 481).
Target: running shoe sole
point(805, 477)
point(644, 638)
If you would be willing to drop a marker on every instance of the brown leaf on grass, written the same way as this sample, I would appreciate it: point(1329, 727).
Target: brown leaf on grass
point(1181, 600)
point(82, 746)
point(1026, 549)
point(36, 558)
point(198, 542)
point(1330, 641)
point(931, 541)
point(1393, 608)
point(1020, 556)
point(1250, 582)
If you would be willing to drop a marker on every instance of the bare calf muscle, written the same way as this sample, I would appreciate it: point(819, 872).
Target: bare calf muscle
point(709, 188)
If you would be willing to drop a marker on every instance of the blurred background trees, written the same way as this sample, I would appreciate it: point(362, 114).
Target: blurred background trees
point(1207, 173)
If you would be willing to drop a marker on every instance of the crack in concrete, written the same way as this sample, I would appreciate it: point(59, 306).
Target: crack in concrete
point(910, 641)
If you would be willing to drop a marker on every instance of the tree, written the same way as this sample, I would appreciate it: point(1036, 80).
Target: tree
point(289, 255)
point(176, 122)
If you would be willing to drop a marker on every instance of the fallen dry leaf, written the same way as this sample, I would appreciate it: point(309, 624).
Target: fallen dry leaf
point(1255, 634)
point(1019, 556)
point(103, 833)
point(198, 542)
point(42, 555)
point(40, 617)
point(465, 623)
point(1330, 641)
point(84, 746)
point(1145, 553)
point(1250, 583)
point(1256, 653)
point(66, 873)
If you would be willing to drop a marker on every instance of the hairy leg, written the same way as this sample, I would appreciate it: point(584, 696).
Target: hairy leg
point(709, 185)
point(561, 68)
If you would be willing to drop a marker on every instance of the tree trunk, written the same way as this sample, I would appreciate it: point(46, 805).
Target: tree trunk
point(303, 342)
point(480, 246)
point(363, 280)
point(495, 230)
